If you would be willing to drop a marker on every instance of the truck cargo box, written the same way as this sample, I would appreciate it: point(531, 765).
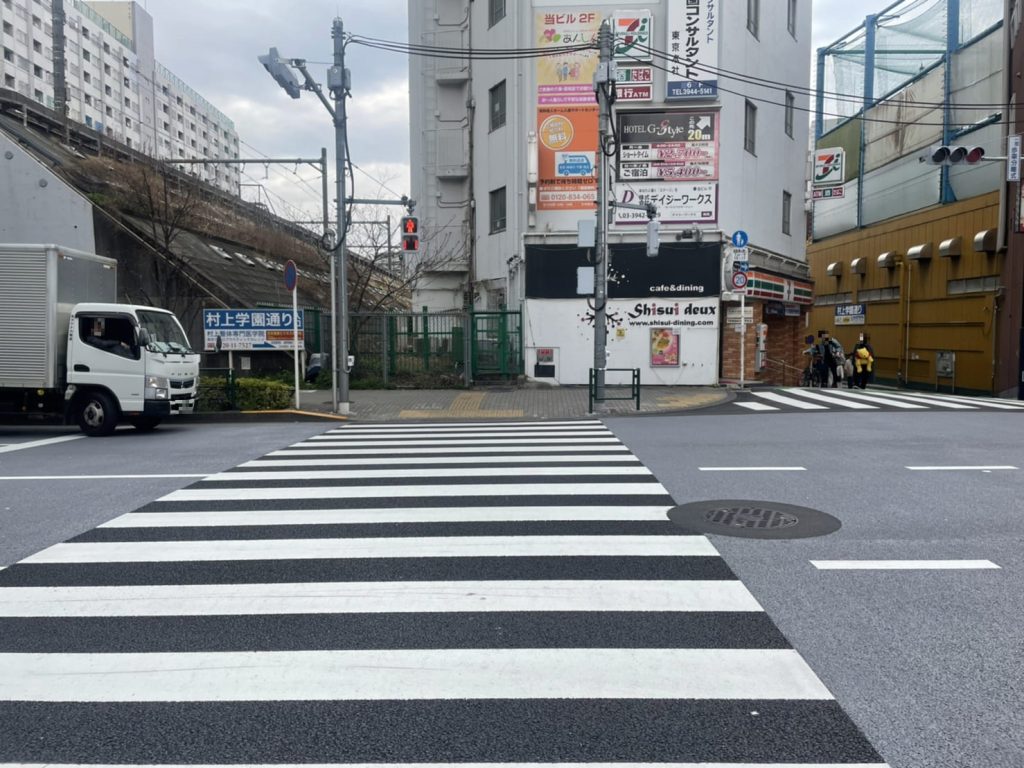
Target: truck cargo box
point(39, 284)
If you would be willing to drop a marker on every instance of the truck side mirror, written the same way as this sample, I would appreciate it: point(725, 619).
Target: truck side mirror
point(143, 335)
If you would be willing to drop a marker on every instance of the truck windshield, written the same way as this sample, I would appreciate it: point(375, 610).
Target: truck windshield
point(165, 334)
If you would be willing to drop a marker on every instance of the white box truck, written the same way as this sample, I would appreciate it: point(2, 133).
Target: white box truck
point(69, 353)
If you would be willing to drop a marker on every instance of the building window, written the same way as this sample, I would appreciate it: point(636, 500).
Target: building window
point(787, 205)
point(128, 122)
point(88, 100)
point(791, 17)
point(8, 54)
point(110, 112)
point(167, 127)
point(37, 46)
point(127, 83)
point(106, 47)
point(496, 9)
point(9, 81)
point(37, 70)
point(750, 128)
point(106, 90)
point(497, 210)
point(790, 107)
point(87, 77)
point(497, 106)
point(127, 102)
point(8, 28)
point(86, 55)
point(753, 16)
point(106, 69)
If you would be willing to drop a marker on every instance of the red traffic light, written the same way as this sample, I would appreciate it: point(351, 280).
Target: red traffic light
point(410, 225)
point(954, 155)
point(410, 243)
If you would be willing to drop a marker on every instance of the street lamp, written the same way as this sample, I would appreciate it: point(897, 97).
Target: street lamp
point(339, 85)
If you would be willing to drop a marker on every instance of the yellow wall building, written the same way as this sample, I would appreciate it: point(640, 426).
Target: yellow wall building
point(930, 284)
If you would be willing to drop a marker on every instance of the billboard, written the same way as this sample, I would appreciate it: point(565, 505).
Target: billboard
point(567, 158)
point(829, 166)
point(680, 202)
point(564, 75)
point(250, 329)
point(632, 34)
point(669, 146)
point(692, 45)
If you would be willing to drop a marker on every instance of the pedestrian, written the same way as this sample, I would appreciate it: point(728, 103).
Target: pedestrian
point(863, 361)
point(827, 360)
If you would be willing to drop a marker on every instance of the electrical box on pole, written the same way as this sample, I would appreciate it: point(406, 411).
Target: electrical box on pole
point(410, 234)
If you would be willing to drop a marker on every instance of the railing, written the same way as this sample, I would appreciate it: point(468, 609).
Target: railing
point(792, 376)
point(634, 387)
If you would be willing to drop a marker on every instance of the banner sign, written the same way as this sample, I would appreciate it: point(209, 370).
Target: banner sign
point(566, 158)
point(849, 314)
point(670, 146)
point(829, 166)
point(678, 202)
point(566, 77)
point(634, 83)
point(1013, 158)
point(827, 192)
point(682, 270)
point(250, 329)
point(692, 44)
point(632, 30)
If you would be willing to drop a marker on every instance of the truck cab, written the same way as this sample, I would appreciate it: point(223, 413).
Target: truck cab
point(127, 362)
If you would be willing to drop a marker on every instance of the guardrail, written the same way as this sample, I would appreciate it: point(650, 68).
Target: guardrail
point(634, 387)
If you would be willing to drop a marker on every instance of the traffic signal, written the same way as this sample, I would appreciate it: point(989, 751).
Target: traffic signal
point(950, 155)
point(410, 234)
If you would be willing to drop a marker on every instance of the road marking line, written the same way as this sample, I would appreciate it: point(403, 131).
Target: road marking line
point(513, 673)
point(396, 474)
point(94, 477)
point(832, 400)
point(210, 519)
point(343, 549)
point(39, 443)
point(468, 765)
point(934, 402)
point(790, 401)
point(556, 595)
point(758, 406)
point(415, 491)
point(880, 399)
point(470, 441)
point(448, 426)
point(975, 401)
point(377, 461)
point(903, 565)
point(954, 468)
point(318, 450)
point(752, 469)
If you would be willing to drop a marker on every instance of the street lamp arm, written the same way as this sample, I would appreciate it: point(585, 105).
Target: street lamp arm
point(312, 85)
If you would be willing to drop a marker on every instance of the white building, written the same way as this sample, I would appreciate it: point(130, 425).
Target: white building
point(712, 127)
point(114, 84)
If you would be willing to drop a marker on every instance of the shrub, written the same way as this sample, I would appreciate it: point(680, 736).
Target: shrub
point(251, 394)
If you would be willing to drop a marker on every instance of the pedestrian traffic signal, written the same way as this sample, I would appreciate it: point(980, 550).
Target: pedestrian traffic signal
point(410, 234)
point(953, 155)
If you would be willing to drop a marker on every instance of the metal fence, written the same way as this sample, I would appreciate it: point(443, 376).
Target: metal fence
point(425, 349)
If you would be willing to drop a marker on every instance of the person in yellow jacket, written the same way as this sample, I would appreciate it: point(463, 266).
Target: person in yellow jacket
point(863, 363)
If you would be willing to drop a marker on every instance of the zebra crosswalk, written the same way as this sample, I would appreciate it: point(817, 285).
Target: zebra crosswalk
point(505, 593)
point(796, 399)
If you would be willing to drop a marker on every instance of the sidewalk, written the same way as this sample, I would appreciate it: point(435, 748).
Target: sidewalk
point(495, 402)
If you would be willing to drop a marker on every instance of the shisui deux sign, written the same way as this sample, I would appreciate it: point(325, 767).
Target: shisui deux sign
point(692, 44)
point(670, 146)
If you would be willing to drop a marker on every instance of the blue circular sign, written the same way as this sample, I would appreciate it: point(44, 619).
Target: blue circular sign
point(740, 239)
point(291, 275)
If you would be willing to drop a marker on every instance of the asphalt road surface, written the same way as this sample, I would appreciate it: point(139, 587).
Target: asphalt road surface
point(443, 593)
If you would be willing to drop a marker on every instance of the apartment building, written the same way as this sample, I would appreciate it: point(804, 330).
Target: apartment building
point(710, 124)
point(97, 61)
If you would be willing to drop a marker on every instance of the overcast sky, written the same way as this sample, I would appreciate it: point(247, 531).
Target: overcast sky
point(213, 46)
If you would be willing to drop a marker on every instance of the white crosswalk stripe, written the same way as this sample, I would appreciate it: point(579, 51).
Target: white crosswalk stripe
point(408, 594)
point(806, 399)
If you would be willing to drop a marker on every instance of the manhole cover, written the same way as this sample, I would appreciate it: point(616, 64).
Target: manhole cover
point(753, 519)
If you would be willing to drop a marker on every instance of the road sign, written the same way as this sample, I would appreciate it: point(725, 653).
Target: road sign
point(740, 239)
point(739, 280)
point(733, 315)
point(291, 275)
point(741, 266)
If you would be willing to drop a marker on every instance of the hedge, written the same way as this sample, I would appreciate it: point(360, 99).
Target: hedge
point(250, 394)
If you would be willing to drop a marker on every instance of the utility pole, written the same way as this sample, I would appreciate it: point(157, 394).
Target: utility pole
point(339, 85)
point(604, 88)
point(338, 82)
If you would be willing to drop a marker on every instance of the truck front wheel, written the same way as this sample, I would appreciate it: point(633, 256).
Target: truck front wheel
point(97, 414)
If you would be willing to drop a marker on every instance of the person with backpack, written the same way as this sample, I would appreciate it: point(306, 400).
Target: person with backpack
point(863, 362)
point(830, 353)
